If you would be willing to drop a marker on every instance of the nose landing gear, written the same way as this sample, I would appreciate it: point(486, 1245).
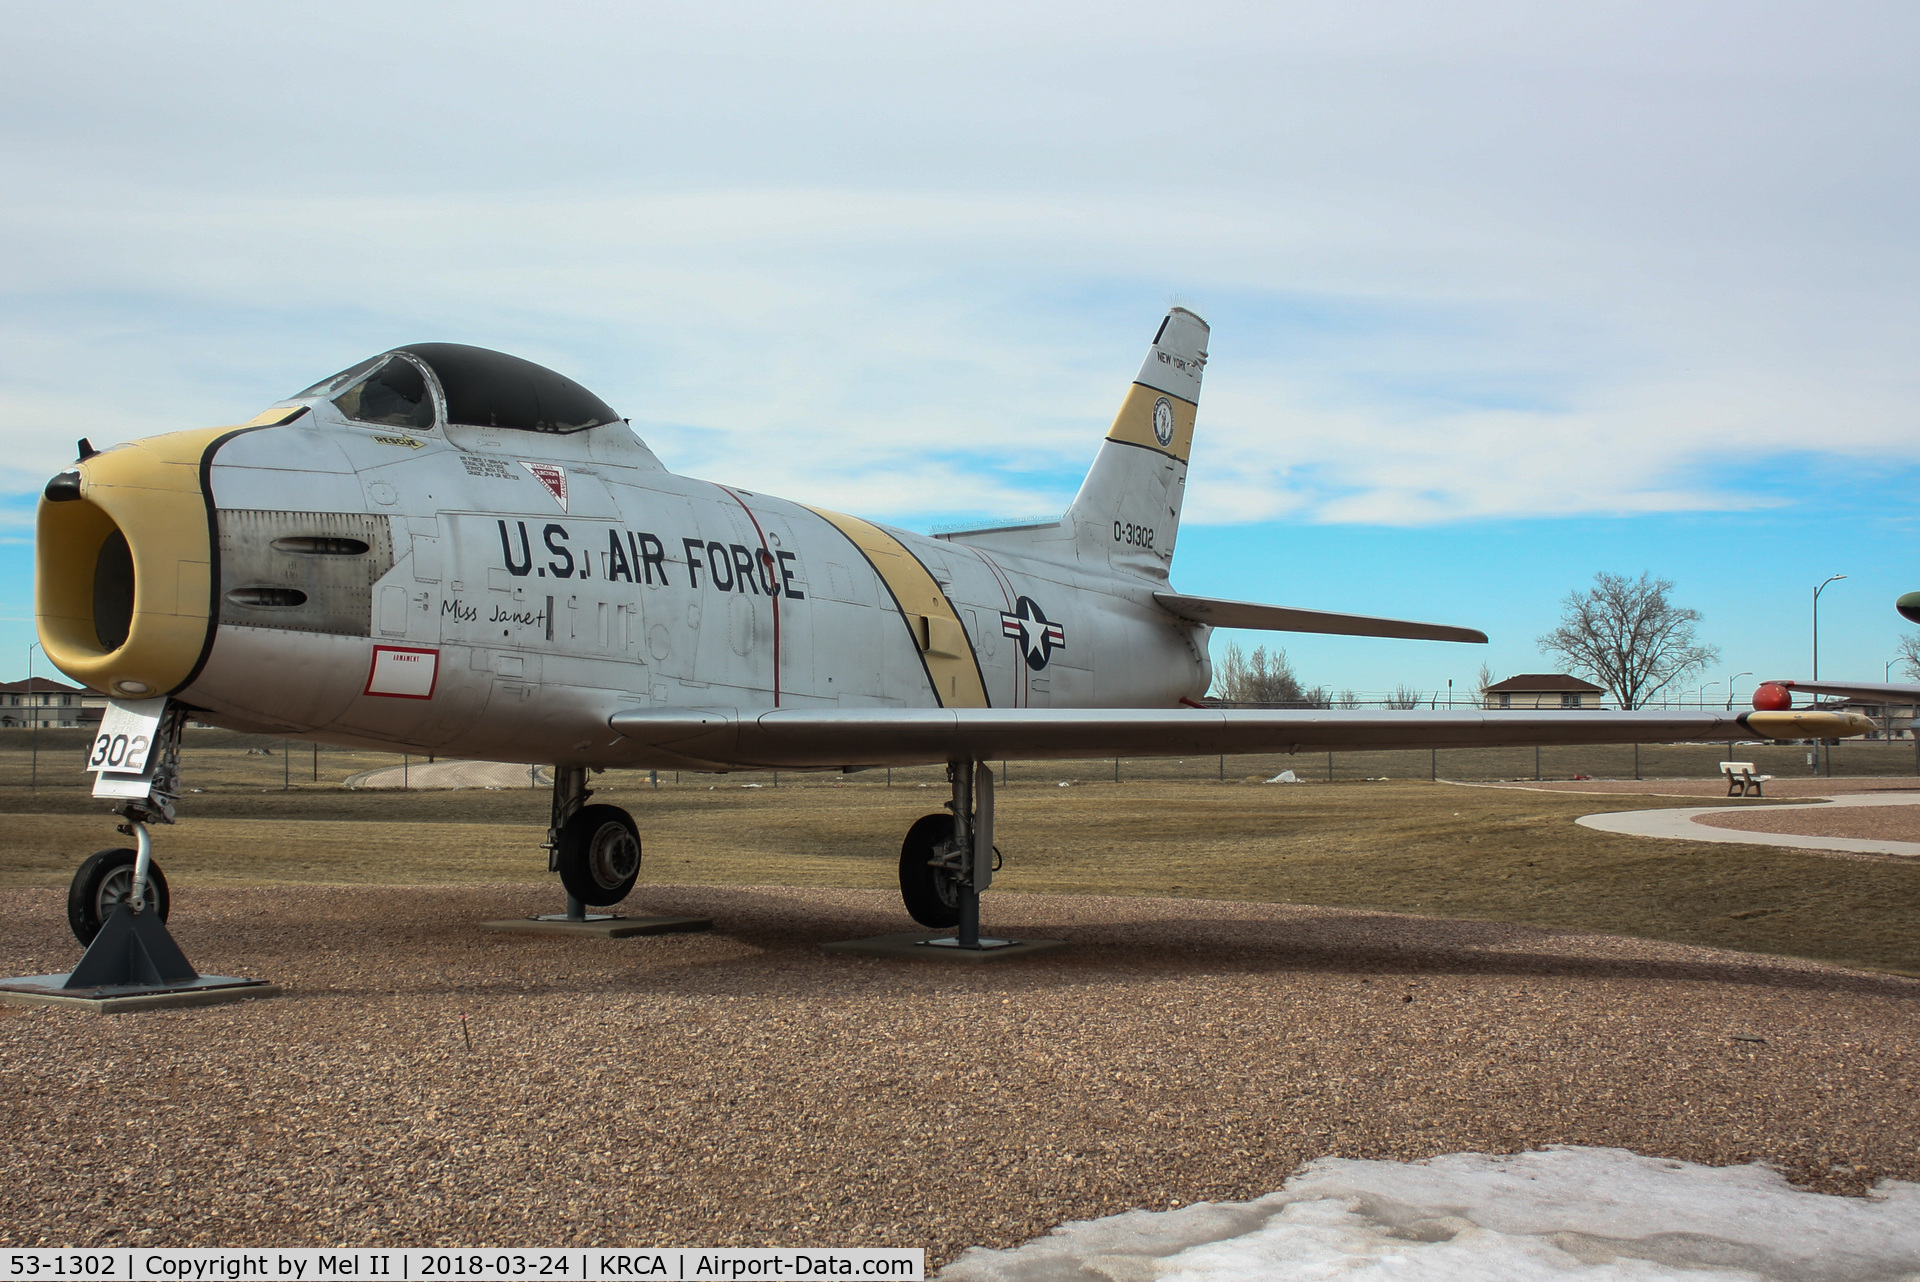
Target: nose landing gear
point(118, 903)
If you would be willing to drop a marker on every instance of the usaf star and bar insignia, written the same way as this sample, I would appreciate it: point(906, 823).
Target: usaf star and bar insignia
point(1038, 636)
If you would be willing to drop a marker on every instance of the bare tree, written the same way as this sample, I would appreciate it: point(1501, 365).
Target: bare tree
point(1403, 698)
point(1347, 699)
point(1626, 635)
point(1263, 678)
point(1910, 656)
point(1484, 680)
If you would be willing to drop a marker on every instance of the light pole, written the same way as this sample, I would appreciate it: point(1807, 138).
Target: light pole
point(1710, 685)
point(33, 723)
point(1832, 578)
point(1730, 680)
point(1826, 753)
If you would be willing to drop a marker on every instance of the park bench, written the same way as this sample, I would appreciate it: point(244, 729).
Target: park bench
point(1740, 778)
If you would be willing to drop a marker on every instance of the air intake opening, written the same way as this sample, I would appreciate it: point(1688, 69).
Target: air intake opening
point(113, 592)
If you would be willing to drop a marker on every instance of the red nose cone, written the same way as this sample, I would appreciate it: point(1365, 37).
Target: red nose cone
point(1772, 698)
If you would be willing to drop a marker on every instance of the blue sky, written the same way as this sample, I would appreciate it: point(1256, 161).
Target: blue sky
point(1502, 294)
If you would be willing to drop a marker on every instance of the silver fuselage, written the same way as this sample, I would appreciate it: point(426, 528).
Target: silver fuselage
point(554, 580)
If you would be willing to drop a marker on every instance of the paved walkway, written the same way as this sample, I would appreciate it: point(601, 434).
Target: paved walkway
point(1679, 825)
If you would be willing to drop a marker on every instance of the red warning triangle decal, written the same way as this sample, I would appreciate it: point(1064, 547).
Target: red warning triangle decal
point(553, 476)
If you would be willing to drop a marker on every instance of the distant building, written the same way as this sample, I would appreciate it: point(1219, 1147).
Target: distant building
point(48, 704)
point(1544, 690)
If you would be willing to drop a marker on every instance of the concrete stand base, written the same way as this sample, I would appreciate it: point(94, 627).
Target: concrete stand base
point(600, 927)
point(914, 946)
point(205, 990)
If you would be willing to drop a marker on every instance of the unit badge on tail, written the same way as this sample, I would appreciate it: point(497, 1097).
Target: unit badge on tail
point(1038, 636)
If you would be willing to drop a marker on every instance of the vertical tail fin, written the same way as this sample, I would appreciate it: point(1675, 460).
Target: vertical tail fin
point(1127, 513)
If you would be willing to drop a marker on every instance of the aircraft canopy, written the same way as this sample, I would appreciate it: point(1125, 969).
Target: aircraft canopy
point(479, 388)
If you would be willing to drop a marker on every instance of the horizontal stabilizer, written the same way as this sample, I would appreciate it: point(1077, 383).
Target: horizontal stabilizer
point(1281, 618)
point(831, 738)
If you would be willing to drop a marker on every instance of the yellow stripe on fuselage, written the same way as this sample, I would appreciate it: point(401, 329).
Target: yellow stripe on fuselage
point(1134, 423)
point(935, 627)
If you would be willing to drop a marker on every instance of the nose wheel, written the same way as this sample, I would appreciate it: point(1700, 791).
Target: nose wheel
point(103, 883)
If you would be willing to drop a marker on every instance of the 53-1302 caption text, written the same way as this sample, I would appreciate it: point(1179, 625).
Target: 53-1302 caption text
point(463, 1264)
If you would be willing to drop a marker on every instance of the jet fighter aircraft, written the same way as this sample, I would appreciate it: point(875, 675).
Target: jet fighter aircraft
point(1778, 693)
point(450, 550)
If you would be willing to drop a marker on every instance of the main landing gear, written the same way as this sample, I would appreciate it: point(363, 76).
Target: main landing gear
point(596, 851)
point(947, 860)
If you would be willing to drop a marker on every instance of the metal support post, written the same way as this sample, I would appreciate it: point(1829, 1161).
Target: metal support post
point(570, 792)
point(972, 852)
point(960, 773)
point(142, 865)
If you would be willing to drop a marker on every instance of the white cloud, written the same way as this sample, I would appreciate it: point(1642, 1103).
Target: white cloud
point(1497, 262)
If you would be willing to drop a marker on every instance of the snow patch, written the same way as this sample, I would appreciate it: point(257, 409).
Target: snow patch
point(1589, 1213)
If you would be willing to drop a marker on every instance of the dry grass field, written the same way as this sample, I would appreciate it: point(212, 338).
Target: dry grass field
point(1400, 844)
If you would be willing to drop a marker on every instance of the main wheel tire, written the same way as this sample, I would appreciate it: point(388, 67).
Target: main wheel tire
point(932, 895)
point(599, 855)
point(104, 882)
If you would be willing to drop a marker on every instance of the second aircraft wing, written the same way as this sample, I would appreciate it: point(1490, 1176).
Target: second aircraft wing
point(1896, 692)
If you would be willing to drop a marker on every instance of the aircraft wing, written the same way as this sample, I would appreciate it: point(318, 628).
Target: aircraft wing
point(795, 738)
point(1896, 692)
point(1281, 618)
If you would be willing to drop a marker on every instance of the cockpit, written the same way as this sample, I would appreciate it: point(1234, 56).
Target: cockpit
point(425, 385)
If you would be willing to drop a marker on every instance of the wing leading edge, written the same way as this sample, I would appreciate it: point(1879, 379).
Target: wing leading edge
point(793, 738)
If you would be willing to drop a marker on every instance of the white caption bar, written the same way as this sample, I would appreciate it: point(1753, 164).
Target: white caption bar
point(465, 1264)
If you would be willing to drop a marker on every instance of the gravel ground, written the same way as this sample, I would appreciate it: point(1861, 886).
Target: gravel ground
point(742, 1087)
point(1874, 823)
